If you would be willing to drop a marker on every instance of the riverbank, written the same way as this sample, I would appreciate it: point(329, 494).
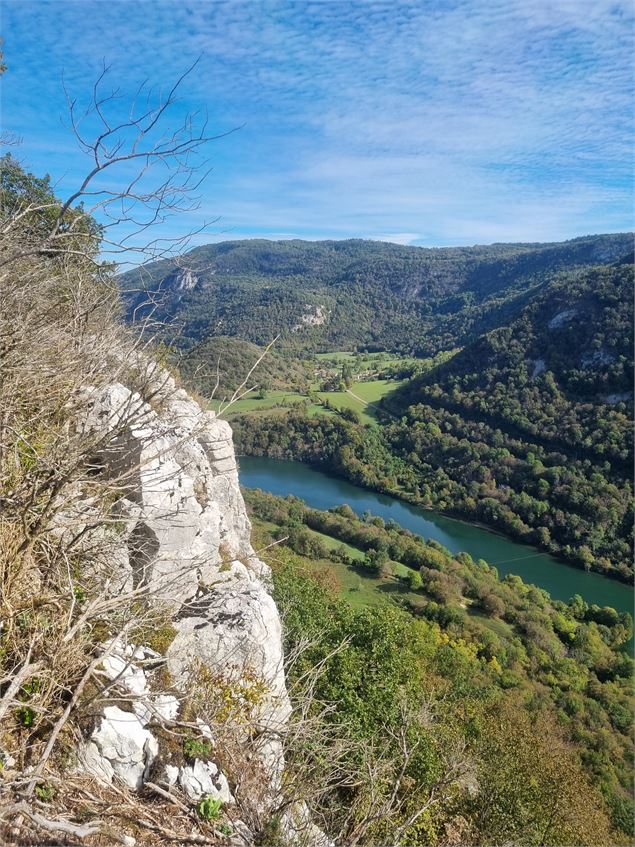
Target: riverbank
point(322, 491)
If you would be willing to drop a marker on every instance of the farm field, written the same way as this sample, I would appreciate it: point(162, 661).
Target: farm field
point(362, 396)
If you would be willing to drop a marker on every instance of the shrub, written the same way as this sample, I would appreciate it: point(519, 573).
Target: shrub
point(209, 808)
point(197, 748)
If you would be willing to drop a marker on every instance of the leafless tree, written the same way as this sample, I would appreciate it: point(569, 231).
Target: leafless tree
point(63, 605)
point(142, 172)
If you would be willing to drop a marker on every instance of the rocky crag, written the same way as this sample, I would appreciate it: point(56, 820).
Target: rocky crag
point(183, 534)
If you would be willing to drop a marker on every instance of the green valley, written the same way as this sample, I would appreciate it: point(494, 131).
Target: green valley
point(492, 383)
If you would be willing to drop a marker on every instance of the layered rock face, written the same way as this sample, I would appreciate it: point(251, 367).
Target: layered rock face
point(184, 540)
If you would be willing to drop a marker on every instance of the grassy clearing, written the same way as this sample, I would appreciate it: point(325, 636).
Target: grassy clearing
point(360, 588)
point(335, 544)
point(253, 403)
point(354, 585)
point(364, 361)
point(362, 397)
point(498, 627)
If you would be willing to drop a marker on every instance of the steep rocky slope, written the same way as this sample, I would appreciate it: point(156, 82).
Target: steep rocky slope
point(202, 717)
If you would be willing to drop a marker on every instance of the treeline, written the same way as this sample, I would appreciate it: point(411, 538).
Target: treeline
point(438, 460)
point(559, 660)
point(405, 299)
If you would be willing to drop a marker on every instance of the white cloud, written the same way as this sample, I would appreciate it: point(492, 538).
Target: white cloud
point(397, 237)
point(463, 120)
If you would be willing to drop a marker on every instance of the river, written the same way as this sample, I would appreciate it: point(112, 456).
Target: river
point(321, 491)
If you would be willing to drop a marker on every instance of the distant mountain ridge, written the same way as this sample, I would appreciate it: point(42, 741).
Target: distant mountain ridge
point(321, 295)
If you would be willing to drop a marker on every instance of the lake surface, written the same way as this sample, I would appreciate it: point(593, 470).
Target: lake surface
point(321, 491)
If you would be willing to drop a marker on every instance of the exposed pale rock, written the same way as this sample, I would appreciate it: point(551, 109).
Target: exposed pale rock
point(185, 534)
point(233, 629)
point(539, 367)
point(120, 747)
point(171, 774)
point(128, 675)
point(163, 707)
point(298, 830)
point(561, 318)
point(596, 358)
point(204, 779)
point(6, 759)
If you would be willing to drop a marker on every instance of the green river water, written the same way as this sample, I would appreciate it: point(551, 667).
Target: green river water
point(321, 491)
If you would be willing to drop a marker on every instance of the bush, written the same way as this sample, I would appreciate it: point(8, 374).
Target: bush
point(414, 581)
point(209, 808)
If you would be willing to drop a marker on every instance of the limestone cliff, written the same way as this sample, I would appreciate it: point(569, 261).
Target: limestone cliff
point(185, 537)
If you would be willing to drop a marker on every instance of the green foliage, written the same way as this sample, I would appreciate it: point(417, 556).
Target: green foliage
point(230, 360)
point(494, 637)
point(20, 189)
point(25, 716)
point(373, 295)
point(531, 780)
point(532, 790)
point(527, 429)
point(209, 808)
point(415, 581)
point(197, 748)
point(517, 430)
point(45, 792)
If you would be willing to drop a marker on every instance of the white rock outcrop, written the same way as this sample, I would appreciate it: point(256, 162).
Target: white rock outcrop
point(120, 747)
point(561, 318)
point(203, 779)
point(183, 533)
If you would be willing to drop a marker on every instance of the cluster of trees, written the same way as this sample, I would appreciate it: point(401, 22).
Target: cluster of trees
point(227, 360)
point(346, 448)
point(572, 507)
point(437, 459)
point(541, 702)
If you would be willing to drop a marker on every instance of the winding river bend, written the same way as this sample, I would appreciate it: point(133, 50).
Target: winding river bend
point(321, 491)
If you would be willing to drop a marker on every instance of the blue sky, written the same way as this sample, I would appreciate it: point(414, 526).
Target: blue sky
point(430, 123)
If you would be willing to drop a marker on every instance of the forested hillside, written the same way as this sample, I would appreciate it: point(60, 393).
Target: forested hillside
point(228, 360)
point(341, 294)
point(525, 421)
point(498, 650)
point(531, 425)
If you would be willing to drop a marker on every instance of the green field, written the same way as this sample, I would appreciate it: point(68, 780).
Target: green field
point(362, 396)
point(364, 361)
point(252, 402)
point(358, 587)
